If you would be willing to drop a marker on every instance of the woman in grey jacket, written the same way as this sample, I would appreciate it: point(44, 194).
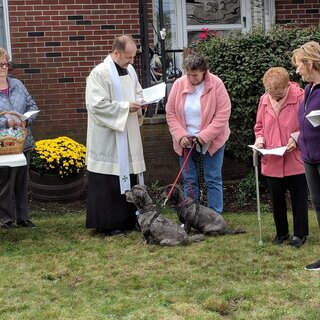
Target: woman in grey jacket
point(13, 180)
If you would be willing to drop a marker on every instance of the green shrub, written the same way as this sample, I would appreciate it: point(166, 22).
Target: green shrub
point(240, 61)
point(247, 189)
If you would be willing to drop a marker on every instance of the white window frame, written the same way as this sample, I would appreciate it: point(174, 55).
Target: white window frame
point(6, 26)
point(243, 27)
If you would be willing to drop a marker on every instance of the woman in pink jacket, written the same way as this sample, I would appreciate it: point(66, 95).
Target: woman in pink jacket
point(276, 125)
point(199, 107)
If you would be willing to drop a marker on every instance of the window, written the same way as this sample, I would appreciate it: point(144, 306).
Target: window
point(222, 16)
point(184, 19)
point(4, 26)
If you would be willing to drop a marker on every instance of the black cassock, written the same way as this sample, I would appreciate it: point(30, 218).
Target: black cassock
point(107, 208)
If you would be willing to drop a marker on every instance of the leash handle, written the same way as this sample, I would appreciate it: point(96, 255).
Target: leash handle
point(179, 174)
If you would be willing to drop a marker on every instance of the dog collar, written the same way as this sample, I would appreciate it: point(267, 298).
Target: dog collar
point(181, 204)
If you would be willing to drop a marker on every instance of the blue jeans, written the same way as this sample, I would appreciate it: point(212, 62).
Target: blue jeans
point(212, 167)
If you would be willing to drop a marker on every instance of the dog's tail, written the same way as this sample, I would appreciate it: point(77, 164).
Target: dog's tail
point(196, 238)
point(235, 231)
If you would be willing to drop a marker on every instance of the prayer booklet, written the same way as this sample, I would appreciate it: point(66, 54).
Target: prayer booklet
point(23, 117)
point(276, 151)
point(314, 117)
point(154, 93)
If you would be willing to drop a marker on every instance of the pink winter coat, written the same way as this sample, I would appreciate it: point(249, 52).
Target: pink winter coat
point(276, 132)
point(215, 112)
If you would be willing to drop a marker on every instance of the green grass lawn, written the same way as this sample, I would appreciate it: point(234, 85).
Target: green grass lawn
point(60, 271)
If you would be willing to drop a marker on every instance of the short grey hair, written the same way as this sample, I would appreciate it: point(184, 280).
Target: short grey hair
point(196, 61)
point(120, 43)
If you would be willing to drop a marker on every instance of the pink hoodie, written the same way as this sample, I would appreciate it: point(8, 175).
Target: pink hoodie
point(215, 112)
point(276, 132)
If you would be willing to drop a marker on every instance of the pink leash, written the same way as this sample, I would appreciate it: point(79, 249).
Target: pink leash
point(179, 174)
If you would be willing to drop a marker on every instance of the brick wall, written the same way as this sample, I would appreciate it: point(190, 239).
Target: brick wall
point(161, 161)
point(298, 12)
point(55, 44)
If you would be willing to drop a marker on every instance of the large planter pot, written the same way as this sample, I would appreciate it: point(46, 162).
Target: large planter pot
point(50, 187)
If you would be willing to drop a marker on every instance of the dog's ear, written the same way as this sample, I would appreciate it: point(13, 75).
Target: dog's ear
point(147, 198)
point(138, 195)
point(142, 196)
point(175, 196)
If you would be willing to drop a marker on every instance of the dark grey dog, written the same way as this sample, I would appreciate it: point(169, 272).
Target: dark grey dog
point(156, 228)
point(197, 216)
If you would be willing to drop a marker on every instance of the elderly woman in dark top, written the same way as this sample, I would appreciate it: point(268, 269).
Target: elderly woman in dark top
point(13, 180)
point(307, 62)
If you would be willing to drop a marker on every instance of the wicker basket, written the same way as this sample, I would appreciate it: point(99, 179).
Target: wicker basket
point(10, 144)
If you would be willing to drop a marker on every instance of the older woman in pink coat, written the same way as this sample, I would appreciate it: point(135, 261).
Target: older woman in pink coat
point(199, 107)
point(276, 126)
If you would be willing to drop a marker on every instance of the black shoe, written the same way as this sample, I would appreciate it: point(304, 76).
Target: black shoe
point(100, 232)
point(117, 233)
point(8, 225)
point(280, 239)
point(313, 266)
point(25, 224)
point(297, 241)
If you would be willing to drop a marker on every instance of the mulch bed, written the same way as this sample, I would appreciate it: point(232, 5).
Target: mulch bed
point(230, 201)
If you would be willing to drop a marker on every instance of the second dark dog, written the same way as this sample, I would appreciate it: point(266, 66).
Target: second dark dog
point(197, 216)
point(156, 228)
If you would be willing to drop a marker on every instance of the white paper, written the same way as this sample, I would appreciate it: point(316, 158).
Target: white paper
point(13, 160)
point(154, 93)
point(276, 151)
point(23, 117)
point(314, 117)
point(28, 114)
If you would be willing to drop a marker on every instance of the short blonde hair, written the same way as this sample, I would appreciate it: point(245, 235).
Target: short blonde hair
point(4, 53)
point(310, 51)
point(276, 77)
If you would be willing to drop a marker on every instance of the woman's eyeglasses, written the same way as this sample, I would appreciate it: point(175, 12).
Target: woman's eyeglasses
point(279, 94)
point(4, 64)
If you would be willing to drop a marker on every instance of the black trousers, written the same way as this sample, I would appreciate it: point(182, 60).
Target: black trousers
point(107, 208)
point(14, 192)
point(297, 186)
point(313, 179)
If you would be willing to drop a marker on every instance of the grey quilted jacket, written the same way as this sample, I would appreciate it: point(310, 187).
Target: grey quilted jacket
point(19, 100)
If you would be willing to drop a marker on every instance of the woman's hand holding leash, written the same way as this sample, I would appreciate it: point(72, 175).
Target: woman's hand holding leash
point(185, 142)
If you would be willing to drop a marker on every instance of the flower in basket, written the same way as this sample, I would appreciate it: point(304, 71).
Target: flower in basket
point(62, 156)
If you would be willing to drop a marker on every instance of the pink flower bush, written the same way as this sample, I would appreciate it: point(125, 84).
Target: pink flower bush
point(205, 34)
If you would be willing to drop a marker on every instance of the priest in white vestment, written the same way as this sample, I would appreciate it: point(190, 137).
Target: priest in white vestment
point(115, 159)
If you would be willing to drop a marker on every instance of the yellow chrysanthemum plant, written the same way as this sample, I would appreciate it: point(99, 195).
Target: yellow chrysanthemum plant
point(62, 156)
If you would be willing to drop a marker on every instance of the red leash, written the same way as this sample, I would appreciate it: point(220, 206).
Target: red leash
point(179, 174)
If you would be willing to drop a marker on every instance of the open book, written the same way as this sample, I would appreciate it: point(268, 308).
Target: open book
point(276, 151)
point(314, 117)
point(23, 117)
point(154, 93)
